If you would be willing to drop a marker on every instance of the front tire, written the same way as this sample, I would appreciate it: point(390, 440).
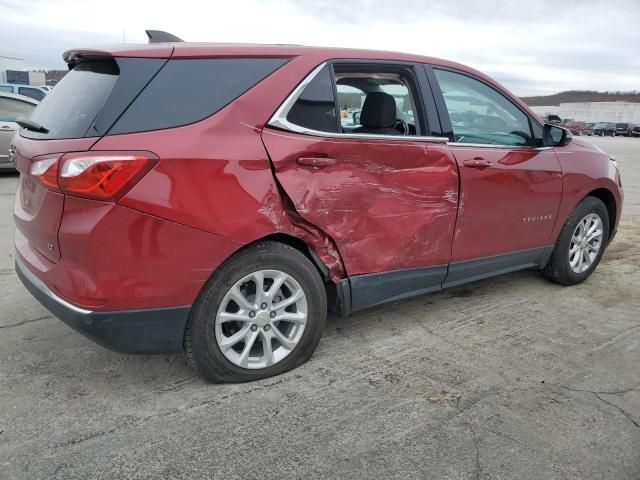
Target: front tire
point(261, 314)
point(581, 243)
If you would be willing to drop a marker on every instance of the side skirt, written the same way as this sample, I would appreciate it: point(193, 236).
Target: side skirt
point(363, 291)
point(481, 268)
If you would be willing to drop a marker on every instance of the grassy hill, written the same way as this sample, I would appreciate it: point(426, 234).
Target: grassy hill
point(582, 96)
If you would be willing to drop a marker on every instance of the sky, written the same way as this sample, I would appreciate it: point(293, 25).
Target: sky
point(535, 47)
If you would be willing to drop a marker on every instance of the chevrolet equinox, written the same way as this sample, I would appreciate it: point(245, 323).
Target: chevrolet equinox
point(220, 199)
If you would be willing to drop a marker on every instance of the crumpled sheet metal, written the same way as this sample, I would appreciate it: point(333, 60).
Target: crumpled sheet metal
point(386, 205)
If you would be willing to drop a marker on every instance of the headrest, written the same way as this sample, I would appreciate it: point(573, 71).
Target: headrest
point(378, 110)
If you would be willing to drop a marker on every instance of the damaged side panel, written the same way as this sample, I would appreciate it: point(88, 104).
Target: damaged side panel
point(229, 190)
point(388, 205)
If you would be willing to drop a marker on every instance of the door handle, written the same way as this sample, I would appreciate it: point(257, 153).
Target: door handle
point(316, 161)
point(477, 162)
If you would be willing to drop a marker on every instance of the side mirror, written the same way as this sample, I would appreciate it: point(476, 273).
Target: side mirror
point(555, 136)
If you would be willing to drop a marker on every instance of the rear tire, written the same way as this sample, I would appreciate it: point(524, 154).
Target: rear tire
point(581, 243)
point(255, 338)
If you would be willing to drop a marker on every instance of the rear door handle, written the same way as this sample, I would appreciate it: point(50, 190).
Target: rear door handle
point(477, 162)
point(316, 161)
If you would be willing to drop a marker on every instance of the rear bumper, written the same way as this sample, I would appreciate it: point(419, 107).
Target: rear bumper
point(145, 331)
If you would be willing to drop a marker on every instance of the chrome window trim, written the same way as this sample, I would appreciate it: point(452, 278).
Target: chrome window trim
point(489, 145)
point(279, 119)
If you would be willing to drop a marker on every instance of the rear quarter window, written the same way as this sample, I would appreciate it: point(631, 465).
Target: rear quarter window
point(189, 90)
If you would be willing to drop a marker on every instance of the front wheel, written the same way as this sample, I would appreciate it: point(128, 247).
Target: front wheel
point(581, 243)
point(261, 314)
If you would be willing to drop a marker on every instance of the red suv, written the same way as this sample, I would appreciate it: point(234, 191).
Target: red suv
point(208, 197)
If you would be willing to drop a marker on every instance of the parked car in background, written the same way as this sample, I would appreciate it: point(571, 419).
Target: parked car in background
point(155, 222)
point(11, 108)
point(588, 129)
point(37, 93)
point(579, 128)
point(605, 129)
point(624, 129)
point(635, 132)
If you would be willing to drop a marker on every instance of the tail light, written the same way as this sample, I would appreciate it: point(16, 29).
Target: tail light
point(45, 170)
point(98, 175)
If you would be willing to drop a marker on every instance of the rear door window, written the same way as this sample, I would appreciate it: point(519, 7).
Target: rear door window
point(378, 100)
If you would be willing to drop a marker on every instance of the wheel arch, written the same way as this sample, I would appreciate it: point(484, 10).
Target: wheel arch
point(609, 200)
point(302, 247)
point(338, 293)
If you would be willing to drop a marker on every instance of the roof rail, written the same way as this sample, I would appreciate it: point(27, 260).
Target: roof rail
point(158, 36)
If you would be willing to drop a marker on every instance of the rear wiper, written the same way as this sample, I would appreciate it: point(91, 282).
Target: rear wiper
point(31, 125)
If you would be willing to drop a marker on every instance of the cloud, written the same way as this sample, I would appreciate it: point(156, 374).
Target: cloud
point(543, 47)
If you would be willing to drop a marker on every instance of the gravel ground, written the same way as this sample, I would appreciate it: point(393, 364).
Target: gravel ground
point(508, 378)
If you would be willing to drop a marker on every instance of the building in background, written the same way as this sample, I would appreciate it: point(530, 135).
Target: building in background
point(9, 65)
point(545, 110)
point(593, 112)
point(12, 70)
point(54, 76)
point(36, 78)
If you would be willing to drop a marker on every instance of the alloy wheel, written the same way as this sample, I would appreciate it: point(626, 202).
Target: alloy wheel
point(261, 319)
point(586, 243)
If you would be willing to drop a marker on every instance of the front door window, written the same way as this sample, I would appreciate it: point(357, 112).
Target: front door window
point(480, 114)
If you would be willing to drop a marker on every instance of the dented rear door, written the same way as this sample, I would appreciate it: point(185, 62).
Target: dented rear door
point(388, 204)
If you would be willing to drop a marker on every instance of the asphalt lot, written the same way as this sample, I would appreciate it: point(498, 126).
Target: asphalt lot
point(511, 378)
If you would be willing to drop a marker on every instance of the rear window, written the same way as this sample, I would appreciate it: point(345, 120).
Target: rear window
point(128, 95)
point(71, 107)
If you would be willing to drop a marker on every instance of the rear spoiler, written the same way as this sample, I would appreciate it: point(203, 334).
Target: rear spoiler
point(75, 56)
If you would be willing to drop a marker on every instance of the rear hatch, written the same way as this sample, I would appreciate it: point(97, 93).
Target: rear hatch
point(80, 110)
point(38, 210)
point(106, 94)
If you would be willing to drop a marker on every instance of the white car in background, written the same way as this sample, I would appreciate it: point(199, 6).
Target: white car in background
point(12, 107)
